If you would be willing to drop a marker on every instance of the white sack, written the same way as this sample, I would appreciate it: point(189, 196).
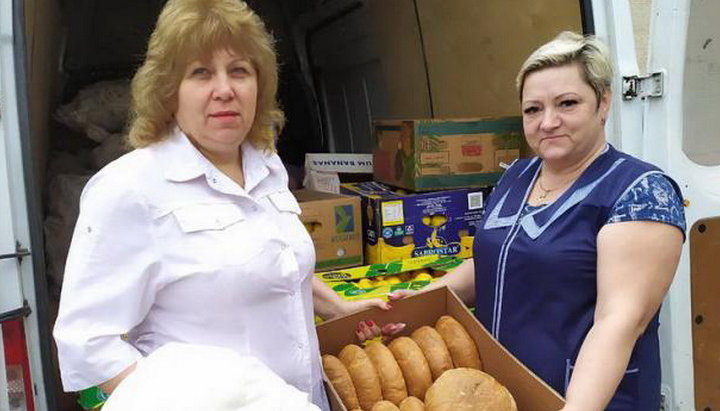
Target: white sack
point(103, 105)
point(185, 377)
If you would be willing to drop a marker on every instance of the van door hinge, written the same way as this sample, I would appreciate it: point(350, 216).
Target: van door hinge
point(642, 86)
point(19, 253)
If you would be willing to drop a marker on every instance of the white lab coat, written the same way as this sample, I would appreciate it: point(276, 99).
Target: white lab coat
point(169, 249)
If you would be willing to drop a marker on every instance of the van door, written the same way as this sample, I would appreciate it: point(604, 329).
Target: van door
point(669, 117)
point(685, 43)
point(21, 370)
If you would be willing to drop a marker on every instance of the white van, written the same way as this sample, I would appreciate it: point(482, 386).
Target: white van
point(347, 62)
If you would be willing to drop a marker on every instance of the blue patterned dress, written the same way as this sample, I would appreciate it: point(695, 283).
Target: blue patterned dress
point(536, 267)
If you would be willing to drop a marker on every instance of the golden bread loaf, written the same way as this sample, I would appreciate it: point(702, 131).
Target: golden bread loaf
point(412, 404)
point(434, 348)
point(468, 389)
point(340, 379)
point(363, 375)
point(414, 366)
point(462, 348)
point(384, 406)
point(392, 382)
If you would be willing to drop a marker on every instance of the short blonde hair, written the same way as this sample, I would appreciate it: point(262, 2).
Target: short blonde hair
point(188, 30)
point(568, 48)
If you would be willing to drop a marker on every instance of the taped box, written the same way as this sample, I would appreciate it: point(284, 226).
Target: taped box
point(528, 390)
point(434, 154)
point(325, 171)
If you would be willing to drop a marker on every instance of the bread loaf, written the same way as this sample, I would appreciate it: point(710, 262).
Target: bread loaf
point(384, 406)
point(412, 404)
point(462, 348)
point(363, 375)
point(414, 366)
point(434, 348)
point(468, 389)
point(392, 382)
point(340, 380)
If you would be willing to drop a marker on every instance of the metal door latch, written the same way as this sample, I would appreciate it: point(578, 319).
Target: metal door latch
point(642, 86)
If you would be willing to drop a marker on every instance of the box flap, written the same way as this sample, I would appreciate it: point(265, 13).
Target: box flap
point(304, 195)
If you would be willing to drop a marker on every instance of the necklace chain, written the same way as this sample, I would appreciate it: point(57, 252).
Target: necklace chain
point(546, 192)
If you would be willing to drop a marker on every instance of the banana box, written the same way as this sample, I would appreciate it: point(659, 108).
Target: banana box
point(378, 280)
point(398, 225)
point(333, 221)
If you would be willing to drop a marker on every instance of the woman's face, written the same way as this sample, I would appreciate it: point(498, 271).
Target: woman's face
point(216, 102)
point(561, 118)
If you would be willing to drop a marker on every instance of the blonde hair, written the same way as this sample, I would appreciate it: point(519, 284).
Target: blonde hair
point(568, 48)
point(188, 30)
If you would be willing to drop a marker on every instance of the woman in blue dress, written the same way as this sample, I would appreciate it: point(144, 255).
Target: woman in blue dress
point(578, 246)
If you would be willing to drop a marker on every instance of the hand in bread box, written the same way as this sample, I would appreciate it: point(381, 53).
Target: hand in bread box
point(420, 366)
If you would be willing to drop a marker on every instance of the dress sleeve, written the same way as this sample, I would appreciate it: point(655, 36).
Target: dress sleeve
point(109, 283)
point(652, 198)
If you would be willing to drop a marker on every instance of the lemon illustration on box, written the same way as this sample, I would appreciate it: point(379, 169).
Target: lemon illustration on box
point(378, 280)
point(401, 225)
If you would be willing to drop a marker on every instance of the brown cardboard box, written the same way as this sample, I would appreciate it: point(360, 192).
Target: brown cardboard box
point(529, 391)
point(434, 154)
point(333, 221)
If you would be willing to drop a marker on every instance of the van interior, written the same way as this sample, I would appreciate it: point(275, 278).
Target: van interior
point(343, 64)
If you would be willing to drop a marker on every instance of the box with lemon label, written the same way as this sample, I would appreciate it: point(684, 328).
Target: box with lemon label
point(378, 280)
point(398, 225)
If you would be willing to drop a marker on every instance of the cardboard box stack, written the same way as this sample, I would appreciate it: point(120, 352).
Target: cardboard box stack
point(438, 173)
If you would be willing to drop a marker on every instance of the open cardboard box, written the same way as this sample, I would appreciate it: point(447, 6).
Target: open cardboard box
point(529, 391)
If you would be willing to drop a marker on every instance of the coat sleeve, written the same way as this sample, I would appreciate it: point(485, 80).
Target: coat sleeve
point(109, 283)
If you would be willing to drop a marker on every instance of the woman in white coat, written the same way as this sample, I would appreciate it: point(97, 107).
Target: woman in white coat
point(193, 237)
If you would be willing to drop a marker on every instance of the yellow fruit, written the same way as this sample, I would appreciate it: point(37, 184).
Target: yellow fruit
point(393, 280)
point(423, 277)
point(365, 283)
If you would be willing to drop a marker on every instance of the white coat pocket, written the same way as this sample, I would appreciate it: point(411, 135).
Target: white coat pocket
point(201, 217)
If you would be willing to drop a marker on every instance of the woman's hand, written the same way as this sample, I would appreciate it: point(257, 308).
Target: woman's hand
point(368, 330)
point(636, 262)
point(328, 304)
point(343, 307)
point(109, 386)
point(461, 280)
